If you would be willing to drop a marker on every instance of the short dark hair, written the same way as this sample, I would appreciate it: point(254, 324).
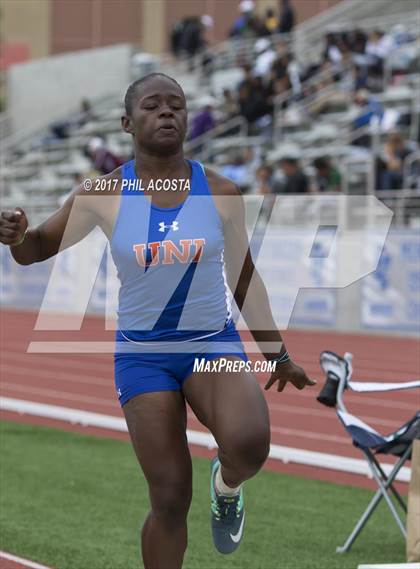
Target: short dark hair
point(320, 163)
point(289, 160)
point(131, 91)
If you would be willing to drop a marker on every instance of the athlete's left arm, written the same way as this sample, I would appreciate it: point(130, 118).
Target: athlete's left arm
point(246, 284)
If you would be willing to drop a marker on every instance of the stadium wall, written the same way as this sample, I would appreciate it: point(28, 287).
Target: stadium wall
point(56, 26)
point(45, 90)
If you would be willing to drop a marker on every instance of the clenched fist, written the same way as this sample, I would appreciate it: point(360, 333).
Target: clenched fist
point(13, 224)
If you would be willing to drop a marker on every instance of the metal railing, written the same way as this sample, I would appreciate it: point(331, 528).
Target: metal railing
point(411, 175)
point(196, 145)
point(405, 205)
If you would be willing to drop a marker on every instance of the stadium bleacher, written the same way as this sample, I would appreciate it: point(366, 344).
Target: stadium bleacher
point(313, 117)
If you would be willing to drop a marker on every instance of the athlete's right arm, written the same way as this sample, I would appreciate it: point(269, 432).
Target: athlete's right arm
point(65, 227)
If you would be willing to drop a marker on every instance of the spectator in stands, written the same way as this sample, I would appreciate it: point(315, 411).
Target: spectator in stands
point(86, 113)
point(360, 78)
point(242, 26)
point(258, 26)
point(327, 97)
point(332, 52)
point(242, 168)
point(103, 159)
point(253, 104)
point(248, 76)
point(369, 108)
point(277, 85)
point(271, 21)
point(187, 35)
point(327, 178)
point(265, 182)
point(203, 120)
point(295, 180)
point(175, 38)
point(206, 55)
point(293, 73)
point(379, 46)
point(287, 17)
point(237, 171)
point(229, 107)
point(265, 56)
point(391, 163)
point(63, 129)
point(357, 41)
point(279, 66)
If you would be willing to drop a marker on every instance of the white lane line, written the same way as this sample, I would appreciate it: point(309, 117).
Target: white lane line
point(74, 377)
point(58, 394)
point(325, 413)
point(22, 561)
point(282, 453)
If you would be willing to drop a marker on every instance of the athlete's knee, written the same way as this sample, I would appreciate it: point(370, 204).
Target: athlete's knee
point(249, 449)
point(171, 500)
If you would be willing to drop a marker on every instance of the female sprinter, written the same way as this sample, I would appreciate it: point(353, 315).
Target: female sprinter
point(170, 249)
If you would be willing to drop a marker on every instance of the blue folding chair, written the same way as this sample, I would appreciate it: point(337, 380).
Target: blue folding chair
point(338, 372)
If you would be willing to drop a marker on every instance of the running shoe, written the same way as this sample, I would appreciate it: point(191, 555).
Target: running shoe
point(227, 516)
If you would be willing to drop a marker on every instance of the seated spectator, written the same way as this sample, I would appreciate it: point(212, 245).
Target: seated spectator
point(243, 167)
point(265, 182)
point(295, 180)
point(203, 121)
point(86, 113)
point(327, 97)
point(242, 26)
point(360, 78)
point(369, 108)
point(63, 129)
point(104, 161)
point(379, 45)
point(391, 163)
point(248, 76)
point(237, 171)
point(271, 21)
point(265, 56)
point(328, 178)
point(229, 106)
point(252, 104)
point(355, 40)
point(293, 73)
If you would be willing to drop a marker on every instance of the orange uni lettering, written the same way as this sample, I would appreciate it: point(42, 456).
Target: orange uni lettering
point(140, 256)
point(171, 250)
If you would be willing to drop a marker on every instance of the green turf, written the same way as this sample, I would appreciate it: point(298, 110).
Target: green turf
point(77, 502)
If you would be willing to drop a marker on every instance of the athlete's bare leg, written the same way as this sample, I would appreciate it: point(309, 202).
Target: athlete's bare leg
point(232, 406)
point(157, 426)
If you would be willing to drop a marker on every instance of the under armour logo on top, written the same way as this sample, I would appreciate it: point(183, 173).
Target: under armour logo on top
point(174, 226)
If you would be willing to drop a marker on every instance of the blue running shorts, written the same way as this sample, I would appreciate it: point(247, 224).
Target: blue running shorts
point(139, 372)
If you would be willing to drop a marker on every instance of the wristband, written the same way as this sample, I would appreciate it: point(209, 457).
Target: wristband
point(281, 359)
point(21, 240)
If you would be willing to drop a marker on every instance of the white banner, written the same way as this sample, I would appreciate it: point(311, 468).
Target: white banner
point(391, 294)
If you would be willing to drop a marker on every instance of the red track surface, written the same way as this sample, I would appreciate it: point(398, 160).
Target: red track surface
point(85, 381)
point(19, 563)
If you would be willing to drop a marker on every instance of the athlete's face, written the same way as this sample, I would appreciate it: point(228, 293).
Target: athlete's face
point(158, 119)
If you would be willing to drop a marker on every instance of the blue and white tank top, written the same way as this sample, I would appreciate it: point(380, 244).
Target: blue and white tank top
point(170, 264)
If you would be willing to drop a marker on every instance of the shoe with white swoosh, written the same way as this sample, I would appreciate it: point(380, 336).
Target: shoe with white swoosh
point(227, 516)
